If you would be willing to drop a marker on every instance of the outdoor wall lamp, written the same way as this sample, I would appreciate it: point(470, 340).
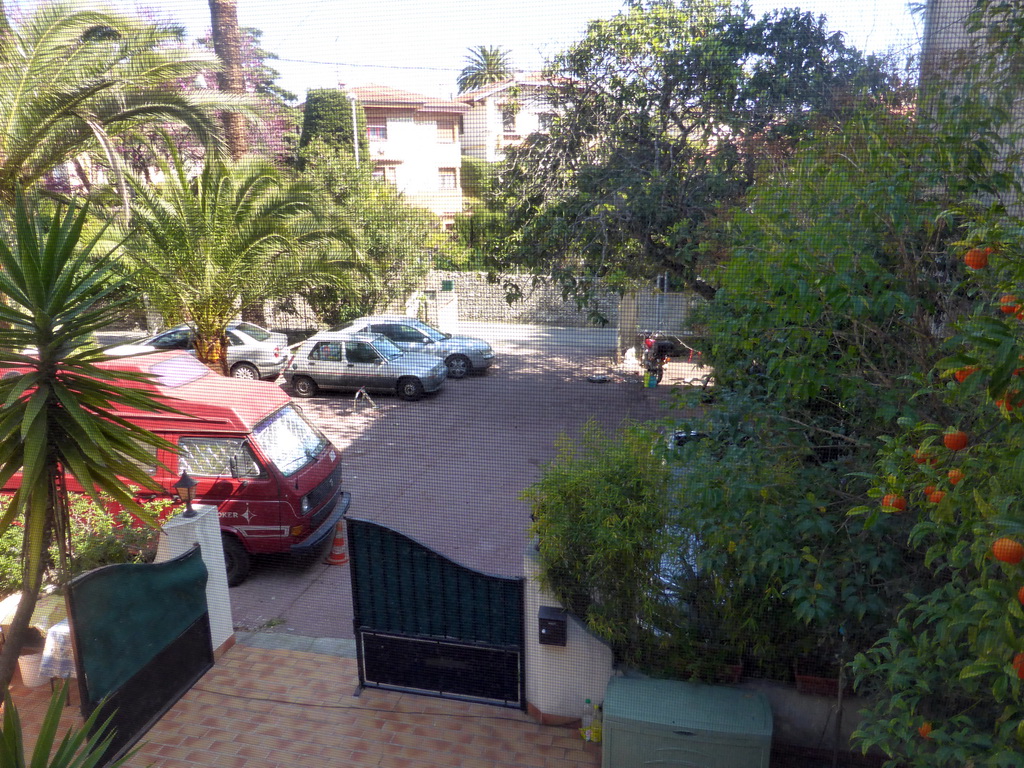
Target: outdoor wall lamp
point(186, 489)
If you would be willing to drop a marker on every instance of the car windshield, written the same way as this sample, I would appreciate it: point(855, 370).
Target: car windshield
point(288, 440)
point(386, 348)
point(433, 333)
point(260, 334)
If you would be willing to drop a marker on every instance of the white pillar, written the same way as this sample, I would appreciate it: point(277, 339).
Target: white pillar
point(178, 536)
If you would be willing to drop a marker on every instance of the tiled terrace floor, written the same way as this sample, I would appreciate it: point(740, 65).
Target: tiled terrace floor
point(270, 708)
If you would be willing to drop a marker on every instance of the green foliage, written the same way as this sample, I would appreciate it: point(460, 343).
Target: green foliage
point(99, 537)
point(633, 167)
point(949, 658)
point(244, 231)
point(484, 65)
point(75, 78)
point(393, 241)
point(56, 414)
point(328, 116)
point(78, 748)
point(599, 511)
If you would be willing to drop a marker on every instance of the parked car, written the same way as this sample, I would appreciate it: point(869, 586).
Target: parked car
point(253, 352)
point(462, 354)
point(331, 360)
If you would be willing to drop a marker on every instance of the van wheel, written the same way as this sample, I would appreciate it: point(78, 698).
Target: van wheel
point(410, 388)
point(304, 386)
point(237, 561)
point(245, 371)
point(458, 366)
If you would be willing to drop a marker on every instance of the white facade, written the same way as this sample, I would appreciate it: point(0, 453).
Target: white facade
point(415, 143)
point(502, 115)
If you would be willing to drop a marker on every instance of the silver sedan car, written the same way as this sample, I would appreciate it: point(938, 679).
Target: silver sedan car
point(462, 354)
point(253, 352)
point(368, 361)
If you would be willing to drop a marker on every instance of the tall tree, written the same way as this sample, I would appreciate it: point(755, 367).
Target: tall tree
point(55, 419)
point(394, 241)
point(205, 249)
point(484, 65)
point(227, 42)
point(665, 113)
point(76, 79)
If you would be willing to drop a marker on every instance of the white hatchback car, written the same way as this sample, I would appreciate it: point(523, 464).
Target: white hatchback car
point(462, 354)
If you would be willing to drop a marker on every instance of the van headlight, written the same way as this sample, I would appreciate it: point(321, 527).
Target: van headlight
point(305, 505)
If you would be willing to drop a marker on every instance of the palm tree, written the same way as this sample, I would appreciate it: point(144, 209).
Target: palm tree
point(73, 79)
point(484, 65)
point(227, 42)
point(55, 414)
point(209, 248)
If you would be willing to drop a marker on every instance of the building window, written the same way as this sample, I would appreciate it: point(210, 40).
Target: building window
point(447, 130)
point(545, 121)
point(377, 131)
point(387, 172)
point(447, 178)
point(508, 120)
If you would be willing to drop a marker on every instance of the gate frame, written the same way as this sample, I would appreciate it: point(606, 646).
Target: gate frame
point(361, 629)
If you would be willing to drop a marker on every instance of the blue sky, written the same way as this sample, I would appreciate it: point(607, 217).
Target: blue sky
point(420, 46)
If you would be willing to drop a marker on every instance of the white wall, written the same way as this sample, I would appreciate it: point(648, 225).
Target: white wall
point(178, 536)
point(559, 679)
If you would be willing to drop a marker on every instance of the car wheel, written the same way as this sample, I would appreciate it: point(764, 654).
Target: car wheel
point(410, 389)
point(245, 371)
point(458, 366)
point(304, 386)
point(237, 560)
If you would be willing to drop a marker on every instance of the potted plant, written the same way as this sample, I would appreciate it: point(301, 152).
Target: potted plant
point(29, 658)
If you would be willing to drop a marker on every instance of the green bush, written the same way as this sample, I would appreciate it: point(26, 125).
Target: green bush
point(599, 512)
point(98, 538)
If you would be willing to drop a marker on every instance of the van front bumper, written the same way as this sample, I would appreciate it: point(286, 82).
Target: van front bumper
point(326, 529)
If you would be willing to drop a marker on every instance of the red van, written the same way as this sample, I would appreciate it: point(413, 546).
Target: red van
point(273, 476)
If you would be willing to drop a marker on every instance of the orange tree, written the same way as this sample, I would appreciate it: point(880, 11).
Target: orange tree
point(954, 657)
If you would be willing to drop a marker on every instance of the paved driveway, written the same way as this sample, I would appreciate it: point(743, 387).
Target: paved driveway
point(448, 470)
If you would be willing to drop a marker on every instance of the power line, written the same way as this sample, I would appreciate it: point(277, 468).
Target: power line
point(370, 66)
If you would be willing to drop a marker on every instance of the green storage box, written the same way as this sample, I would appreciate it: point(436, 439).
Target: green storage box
point(673, 724)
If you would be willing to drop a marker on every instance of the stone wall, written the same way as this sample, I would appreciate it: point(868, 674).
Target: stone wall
point(480, 301)
point(469, 297)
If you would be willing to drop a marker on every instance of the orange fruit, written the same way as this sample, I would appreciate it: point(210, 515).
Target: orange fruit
point(955, 476)
point(961, 374)
point(1008, 304)
point(1008, 551)
point(929, 490)
point(936, 496)
point(922, 457)
point(894, 502)
point(955, 440)
point(925, 730)
point(1018, 664)
point(1020, 595)
point(976, 258)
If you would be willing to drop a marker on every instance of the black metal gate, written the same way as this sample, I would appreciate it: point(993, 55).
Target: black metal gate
point(424, 623)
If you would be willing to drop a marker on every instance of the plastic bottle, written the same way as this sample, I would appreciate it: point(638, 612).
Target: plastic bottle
point(587, 721)
point(595, 725)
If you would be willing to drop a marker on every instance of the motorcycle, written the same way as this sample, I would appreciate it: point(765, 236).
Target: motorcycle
point(654, 355)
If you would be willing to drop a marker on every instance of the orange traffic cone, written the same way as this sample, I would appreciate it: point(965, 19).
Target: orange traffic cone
point(338, 555)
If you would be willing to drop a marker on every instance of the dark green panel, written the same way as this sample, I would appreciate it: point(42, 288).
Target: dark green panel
point(124, 615)
point(403, 587)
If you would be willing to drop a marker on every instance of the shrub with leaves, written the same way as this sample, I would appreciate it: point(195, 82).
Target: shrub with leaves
point(599, 511)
